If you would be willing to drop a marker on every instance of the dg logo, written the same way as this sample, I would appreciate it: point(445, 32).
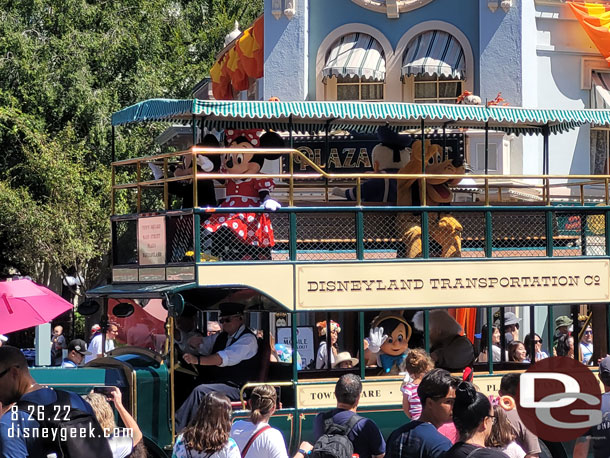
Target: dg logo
point(559, 399)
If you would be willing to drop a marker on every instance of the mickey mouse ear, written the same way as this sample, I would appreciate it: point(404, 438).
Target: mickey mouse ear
point(209, 140)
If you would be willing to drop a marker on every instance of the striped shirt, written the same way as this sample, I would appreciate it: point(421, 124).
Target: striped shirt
point(410, 391)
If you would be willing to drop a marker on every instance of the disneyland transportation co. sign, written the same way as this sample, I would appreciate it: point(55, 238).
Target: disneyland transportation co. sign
point(452, 283)
point(455, 283)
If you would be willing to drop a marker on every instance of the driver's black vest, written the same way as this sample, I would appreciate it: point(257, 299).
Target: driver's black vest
point(243, 372)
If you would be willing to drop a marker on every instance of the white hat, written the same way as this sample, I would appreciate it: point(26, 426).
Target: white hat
point(3, 338)
point(344, 356)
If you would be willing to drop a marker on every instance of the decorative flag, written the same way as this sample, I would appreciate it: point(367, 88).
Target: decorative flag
point(221, 80)
point(595, 19)
point(239, 79)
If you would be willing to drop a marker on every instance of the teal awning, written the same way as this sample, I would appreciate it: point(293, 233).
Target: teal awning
point(313, 116)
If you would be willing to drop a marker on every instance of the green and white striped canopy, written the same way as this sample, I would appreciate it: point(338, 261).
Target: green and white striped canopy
point(356, 54)
point(357, 116)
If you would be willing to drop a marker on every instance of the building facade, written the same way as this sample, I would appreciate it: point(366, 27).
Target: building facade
point(534, 52)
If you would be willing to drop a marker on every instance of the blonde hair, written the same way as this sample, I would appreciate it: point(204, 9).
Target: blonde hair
point(102, 409)
point(262, 403)
point(418, 362)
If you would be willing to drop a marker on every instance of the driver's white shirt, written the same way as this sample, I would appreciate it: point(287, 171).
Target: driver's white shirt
point(237, 349)
point(95, 347)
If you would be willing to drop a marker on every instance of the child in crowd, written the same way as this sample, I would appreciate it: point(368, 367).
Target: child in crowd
point(418, 364)
point(502, 436)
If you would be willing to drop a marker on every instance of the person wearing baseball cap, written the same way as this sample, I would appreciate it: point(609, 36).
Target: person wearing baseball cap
point(511, 327)
point(77, 350)
point(599, 433)
point(562, 328)
point(231, 359)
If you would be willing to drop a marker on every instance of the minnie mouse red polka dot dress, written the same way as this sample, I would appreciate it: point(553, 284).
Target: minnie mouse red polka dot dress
point(252, 228)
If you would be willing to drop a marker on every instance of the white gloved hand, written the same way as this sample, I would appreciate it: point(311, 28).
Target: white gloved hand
point(205, 164)
point(339, 192)
point(376, 339)
point(272, 205)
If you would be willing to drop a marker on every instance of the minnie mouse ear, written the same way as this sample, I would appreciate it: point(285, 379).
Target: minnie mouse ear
point(271, 140)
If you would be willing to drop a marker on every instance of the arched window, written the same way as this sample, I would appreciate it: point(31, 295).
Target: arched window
point(354, 68)
point(433, 68)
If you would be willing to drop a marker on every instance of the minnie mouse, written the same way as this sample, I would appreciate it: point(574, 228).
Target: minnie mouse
point(245, 235)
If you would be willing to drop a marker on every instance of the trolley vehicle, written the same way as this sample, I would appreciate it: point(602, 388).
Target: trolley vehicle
point(342, 261)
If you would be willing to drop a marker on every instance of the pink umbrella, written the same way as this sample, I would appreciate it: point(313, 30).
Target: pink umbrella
point(24, 304)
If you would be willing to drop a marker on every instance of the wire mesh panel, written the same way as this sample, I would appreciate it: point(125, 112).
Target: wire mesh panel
point(281, 231)
point(473, 233)
point(125, 246)
point(237, 236)
point(180, 241)
point(409, 232)
point(326, 236)
point(517, 234)
point(381, 238)
point(579, 234)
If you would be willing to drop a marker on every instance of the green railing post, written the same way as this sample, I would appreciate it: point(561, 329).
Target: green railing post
point(293, 326)
point(361, 334)
point(550, 327)
point(427, 330)
point(490, 353)
point(197, 236)
point(549, 232)
point(488, 235)
point(359, 235)
point(607, 234)
point(292, 236)
point(425, 234)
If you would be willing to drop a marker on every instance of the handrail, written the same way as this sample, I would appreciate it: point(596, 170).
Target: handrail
point(319, 173)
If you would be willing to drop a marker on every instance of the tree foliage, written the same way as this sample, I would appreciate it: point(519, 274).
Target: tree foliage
point(65, 66)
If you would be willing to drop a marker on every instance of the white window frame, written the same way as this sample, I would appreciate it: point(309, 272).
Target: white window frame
point(332, 84)
point(410, 82)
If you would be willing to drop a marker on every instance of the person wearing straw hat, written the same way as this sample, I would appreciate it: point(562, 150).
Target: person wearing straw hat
point(345, 361)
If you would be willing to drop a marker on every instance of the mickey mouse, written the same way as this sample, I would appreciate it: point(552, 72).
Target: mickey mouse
point(245, 235)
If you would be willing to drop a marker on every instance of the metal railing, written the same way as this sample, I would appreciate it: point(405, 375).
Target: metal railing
point(130, 175)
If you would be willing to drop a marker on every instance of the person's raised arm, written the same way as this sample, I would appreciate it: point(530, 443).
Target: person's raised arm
point(129, 422)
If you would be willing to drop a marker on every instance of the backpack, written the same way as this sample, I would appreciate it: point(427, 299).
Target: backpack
point(61, 420)
point(334, 443)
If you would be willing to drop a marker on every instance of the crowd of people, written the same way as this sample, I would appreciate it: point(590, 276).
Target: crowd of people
point(447, 417)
